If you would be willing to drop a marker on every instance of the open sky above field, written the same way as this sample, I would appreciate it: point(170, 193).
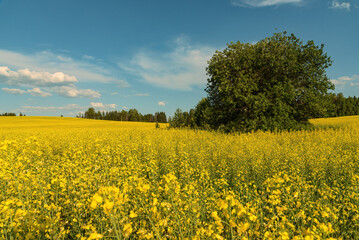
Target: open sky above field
point(63, 56)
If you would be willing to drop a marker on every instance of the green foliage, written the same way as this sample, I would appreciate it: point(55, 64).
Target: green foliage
point(183, 119)
point(277, 83)
point(178, 120)
point(202, 114)
point(131, 115)
point(342, 106)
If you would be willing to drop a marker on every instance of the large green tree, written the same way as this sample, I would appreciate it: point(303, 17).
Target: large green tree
point(276, 83)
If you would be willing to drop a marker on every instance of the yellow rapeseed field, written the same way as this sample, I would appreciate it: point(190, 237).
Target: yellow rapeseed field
point(65, 178)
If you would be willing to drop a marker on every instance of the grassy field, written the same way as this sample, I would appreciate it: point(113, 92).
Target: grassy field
point(65, 178)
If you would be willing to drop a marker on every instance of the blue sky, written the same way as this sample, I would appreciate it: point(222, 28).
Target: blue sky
point(64, 56)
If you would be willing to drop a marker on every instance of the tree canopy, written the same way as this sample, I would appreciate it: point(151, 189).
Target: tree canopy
point(277, 83)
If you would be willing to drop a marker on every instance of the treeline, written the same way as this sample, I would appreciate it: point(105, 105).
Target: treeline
point(11, 114)
point(130, 115)
point(201, 115)
point(342, 106)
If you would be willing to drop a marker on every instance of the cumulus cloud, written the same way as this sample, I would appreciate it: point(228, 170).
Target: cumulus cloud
point(34, 78)
point(13, 90)
point(161, 103)
point(181, 68)
point(101, 105)
point(86, 69)
point(72, 92)
point(58, 82)
point(262, 3)
point(343, 5)
point(33, 92)
point(38, 92)
point(111, 105)
point(94, 104)
point(344, 80)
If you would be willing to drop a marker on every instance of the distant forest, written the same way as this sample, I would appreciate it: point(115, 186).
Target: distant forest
point(130, 115)
point(11, 114)
point(343, 106)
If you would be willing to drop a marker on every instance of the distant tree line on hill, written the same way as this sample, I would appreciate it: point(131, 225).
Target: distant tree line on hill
point(200, 116)
point(130, 115)
point(11, 114)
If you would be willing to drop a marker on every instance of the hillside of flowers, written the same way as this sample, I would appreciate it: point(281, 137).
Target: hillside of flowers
point(66, 178)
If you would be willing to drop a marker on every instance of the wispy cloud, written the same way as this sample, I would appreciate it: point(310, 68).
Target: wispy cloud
point(68, 107)
point(72, 92)
point(14, 91)
point(53, 108)
point(138, 95)
point(38, 92)
point(343, 5)
point(87, 69)
point(262, 3)
point(65, 91)
point(101, 105)
point(142, 94)
point(34, 92)
point(346, 80)
point(161, 103)
point(181, 68)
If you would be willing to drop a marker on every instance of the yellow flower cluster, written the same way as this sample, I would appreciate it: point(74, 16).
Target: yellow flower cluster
point(64, 178)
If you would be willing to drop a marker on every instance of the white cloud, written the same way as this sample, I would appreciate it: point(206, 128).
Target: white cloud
point(66, 91)
point(101, 105)
point(72, 92)
point(346, 80)
point(52, 108)
point(124, 107)
point(69, 107)
point(93, 104)
point(337, 82)
point(142, 94)
point(111, 105)
point(343, 5)
point(25, 77)
point(13, 90)
point(262, 3)
point(87, 57)
point(181, 68)
point(114, 93)
point(138, 95)
point(38, 92)
point(58, 82)
point(88, 69)
point(161, 103)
